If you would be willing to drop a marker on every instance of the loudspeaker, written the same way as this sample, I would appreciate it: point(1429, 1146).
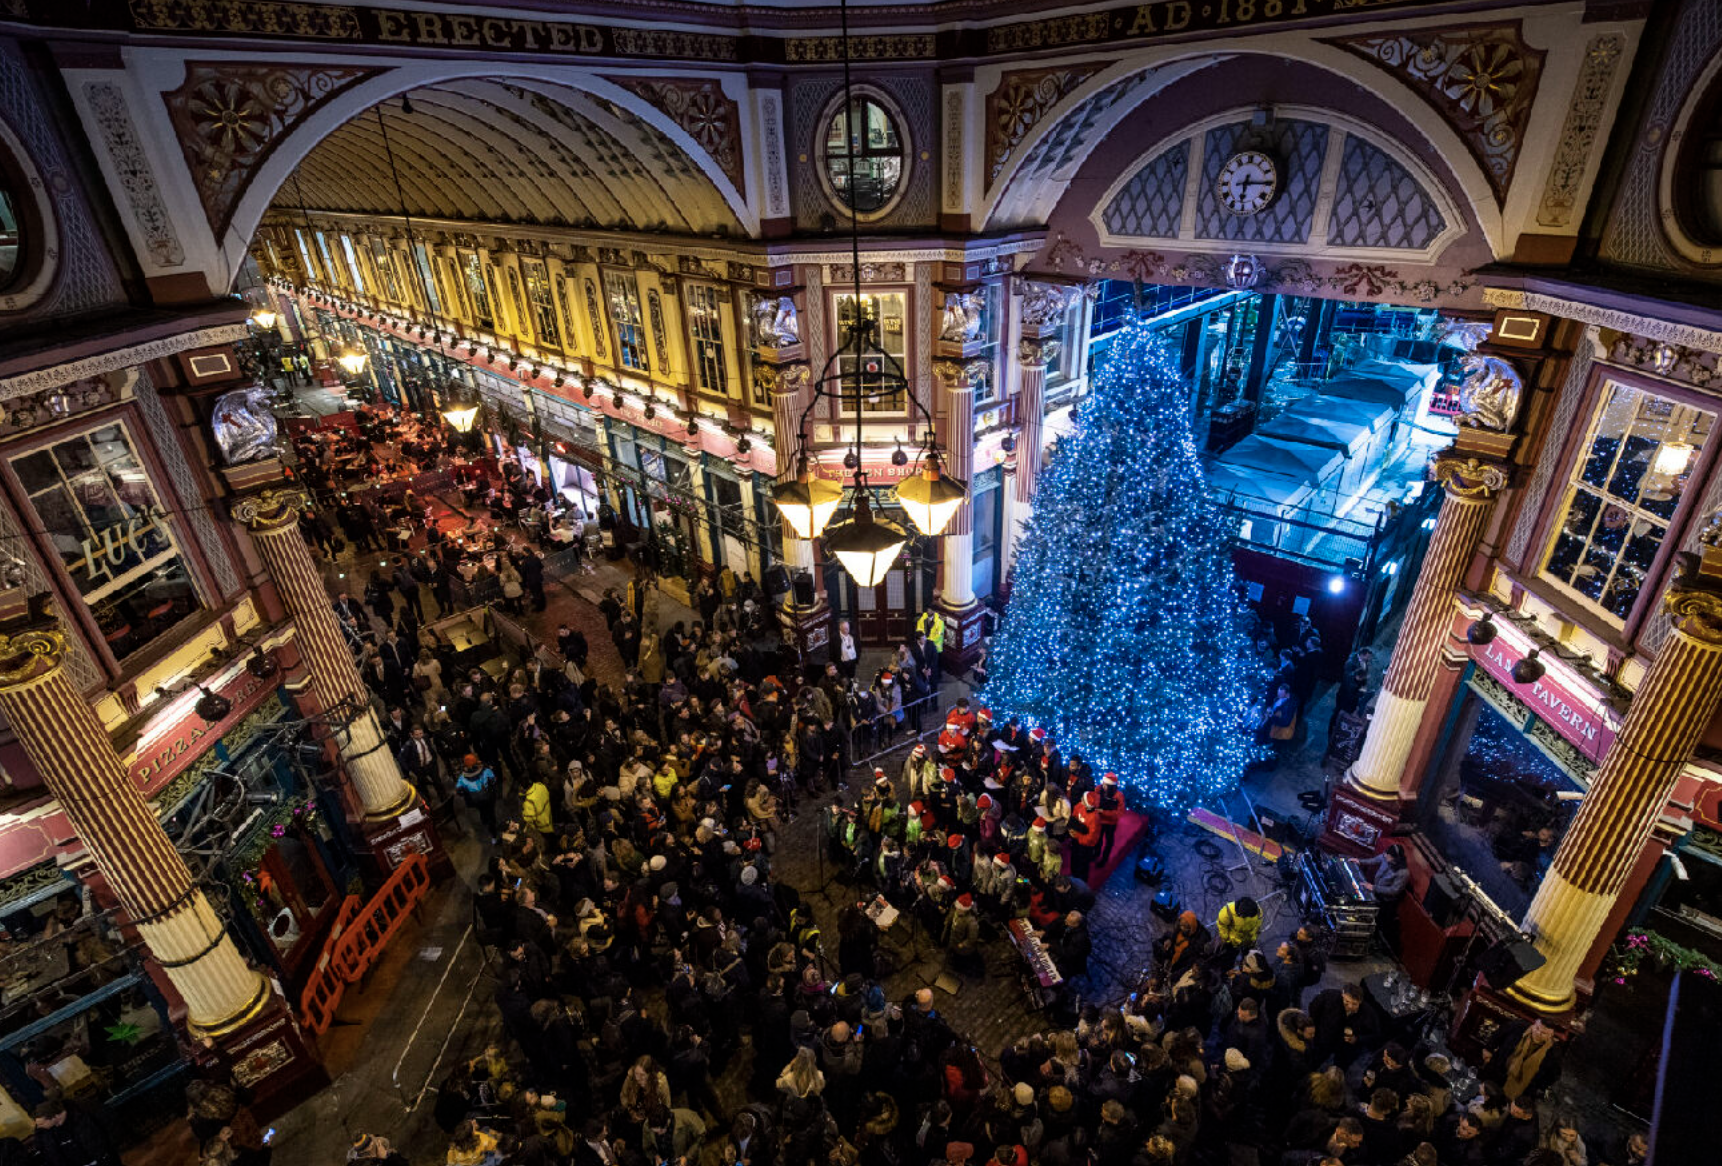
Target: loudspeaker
point(1279, 826)
point(803, 584)
point(1167, 905)
point(1441, 900)
point(776, 580)
point(1149, 869)
point(1508, 962)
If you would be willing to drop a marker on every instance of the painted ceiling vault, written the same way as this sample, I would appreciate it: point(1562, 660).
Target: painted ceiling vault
point(527, 152)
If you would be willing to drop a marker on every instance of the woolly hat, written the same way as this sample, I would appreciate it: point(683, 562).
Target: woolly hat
point(1236, 1062)
point(472, 761)
point(1024, 1093)
point(965, 902)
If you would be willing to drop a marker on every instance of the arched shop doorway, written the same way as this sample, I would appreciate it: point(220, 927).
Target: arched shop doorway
point(885, 615)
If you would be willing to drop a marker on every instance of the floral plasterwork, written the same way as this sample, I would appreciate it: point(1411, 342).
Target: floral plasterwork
point(1022, 99)
point(702, 110)
point(230, 118)
point(1481, 78)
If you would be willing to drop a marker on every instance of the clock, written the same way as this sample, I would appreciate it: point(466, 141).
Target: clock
point(1248, 182)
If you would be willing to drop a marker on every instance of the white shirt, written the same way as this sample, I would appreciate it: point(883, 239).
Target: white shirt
point(846, 647)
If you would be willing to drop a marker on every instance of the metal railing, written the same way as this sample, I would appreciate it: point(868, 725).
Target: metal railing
point(874, 737)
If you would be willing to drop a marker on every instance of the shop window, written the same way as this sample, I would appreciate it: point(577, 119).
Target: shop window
point(386, 270)
point(333, 274)
point(311, 275)
point(1636, 464)
point(11, 235)
point(97, 506)
point(985, 518)
point(353, 264)
point(889, 312)
point(1496, 812)
point(866, 175)
point(1690, 908)
point(732, 515)
point(543, 303)
point(478, 295)
point(427, 278)
point(624, 297)
point(705, 323)
point(518, 302)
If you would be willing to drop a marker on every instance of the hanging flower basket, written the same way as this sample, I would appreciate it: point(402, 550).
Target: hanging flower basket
point(1641, 950)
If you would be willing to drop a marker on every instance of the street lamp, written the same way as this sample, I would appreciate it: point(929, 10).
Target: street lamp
point(264, 318)
point(866, 546)
point(353, 361)
point(805, 500)
point(930, 498)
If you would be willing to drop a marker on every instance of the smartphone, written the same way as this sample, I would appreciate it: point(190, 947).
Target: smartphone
point(268, 1135)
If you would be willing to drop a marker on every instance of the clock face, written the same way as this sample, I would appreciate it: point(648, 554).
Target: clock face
point(1248, 182)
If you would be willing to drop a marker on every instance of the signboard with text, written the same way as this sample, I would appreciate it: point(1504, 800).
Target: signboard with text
point(1579, 717)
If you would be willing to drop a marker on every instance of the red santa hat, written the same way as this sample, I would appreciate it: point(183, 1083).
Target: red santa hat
point(1037, 734)
point(1002, 858)
point(954, 841)
point(985, 802)
point(965, 902)
point(1039, 824)
point(920, 749)
point(915, 809)
point(879, 778)
point(947, 882)
point(948, 774)
point(752, 844)
point(928, 821)
point(1091, 799)
point(1109, 778)
point(983, 714)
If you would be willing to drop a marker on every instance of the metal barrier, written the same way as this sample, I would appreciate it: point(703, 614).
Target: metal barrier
point(883, 729)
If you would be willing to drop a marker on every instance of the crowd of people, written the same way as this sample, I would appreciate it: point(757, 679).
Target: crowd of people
point(666, 997)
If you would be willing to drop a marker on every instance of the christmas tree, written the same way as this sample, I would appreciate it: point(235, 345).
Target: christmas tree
point(1121, 637)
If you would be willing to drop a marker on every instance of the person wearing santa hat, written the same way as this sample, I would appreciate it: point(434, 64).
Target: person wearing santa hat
point(1111, 806)
point(1034, 846)
point(1001, 882)
point(919, 772)
point(879, 805)
point(957, 858)
point(963, 936)
point(912, 826)
point(953, 741)
point(987, 823)
point(961, 714)
point(1084, 835)
point(942, 797)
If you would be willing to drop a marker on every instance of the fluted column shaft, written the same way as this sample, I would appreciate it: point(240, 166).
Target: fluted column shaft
point(1471, 488)
point(956, 584)
point(1667, 716)
point(272, 519)
point(71, 750)
point(1030, 416)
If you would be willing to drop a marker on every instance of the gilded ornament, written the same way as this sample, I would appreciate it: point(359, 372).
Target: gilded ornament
point(1489, 396)
point(274, 507)
point(1469, 477)
point(1695, 612)
point(30, 654)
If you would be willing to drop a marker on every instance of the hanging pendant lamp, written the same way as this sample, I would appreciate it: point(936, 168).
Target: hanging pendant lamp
point(931, 498)
point(866, 546)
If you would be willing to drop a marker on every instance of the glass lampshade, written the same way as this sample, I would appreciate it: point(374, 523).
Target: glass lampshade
point(353, 361)
point(807, 502)
point(264, 318)
point(461, 417)
point(866, 546)
point(1672, 458)
point(931, 499)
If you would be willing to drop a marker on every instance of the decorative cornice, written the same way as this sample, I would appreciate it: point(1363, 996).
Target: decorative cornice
point(1684, 335)
point(118, 358)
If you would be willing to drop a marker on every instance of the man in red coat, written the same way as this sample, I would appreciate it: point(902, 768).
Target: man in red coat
point(1084, 835)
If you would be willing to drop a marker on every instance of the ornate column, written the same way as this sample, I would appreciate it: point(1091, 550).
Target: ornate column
point(1472, 486)
point(781, 371)
point(72, 752)
point(1669, 711)
point(272, 518)
point(957, 545)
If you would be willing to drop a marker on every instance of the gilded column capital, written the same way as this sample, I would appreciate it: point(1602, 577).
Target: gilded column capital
point(270, 509)
point(1695, 611)
point(1032, 354)
point(30, 655)
point(1470, 478)
point(959, 375)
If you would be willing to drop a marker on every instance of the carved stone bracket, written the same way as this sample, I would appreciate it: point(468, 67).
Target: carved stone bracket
point(1470, 477)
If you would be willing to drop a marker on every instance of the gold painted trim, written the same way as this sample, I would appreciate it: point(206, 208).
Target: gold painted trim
point(241, 1018)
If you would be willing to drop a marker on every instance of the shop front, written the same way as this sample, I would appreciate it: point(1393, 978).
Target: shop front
point(1498, 798)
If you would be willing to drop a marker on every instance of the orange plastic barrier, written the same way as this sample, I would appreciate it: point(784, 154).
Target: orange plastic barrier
point(323, 991)
point(359, 945)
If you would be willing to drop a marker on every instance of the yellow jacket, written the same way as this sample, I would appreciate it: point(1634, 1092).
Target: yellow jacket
point(535, 809)
point(1237, 930)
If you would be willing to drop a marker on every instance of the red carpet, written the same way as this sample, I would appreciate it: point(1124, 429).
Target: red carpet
point(1131, 827)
